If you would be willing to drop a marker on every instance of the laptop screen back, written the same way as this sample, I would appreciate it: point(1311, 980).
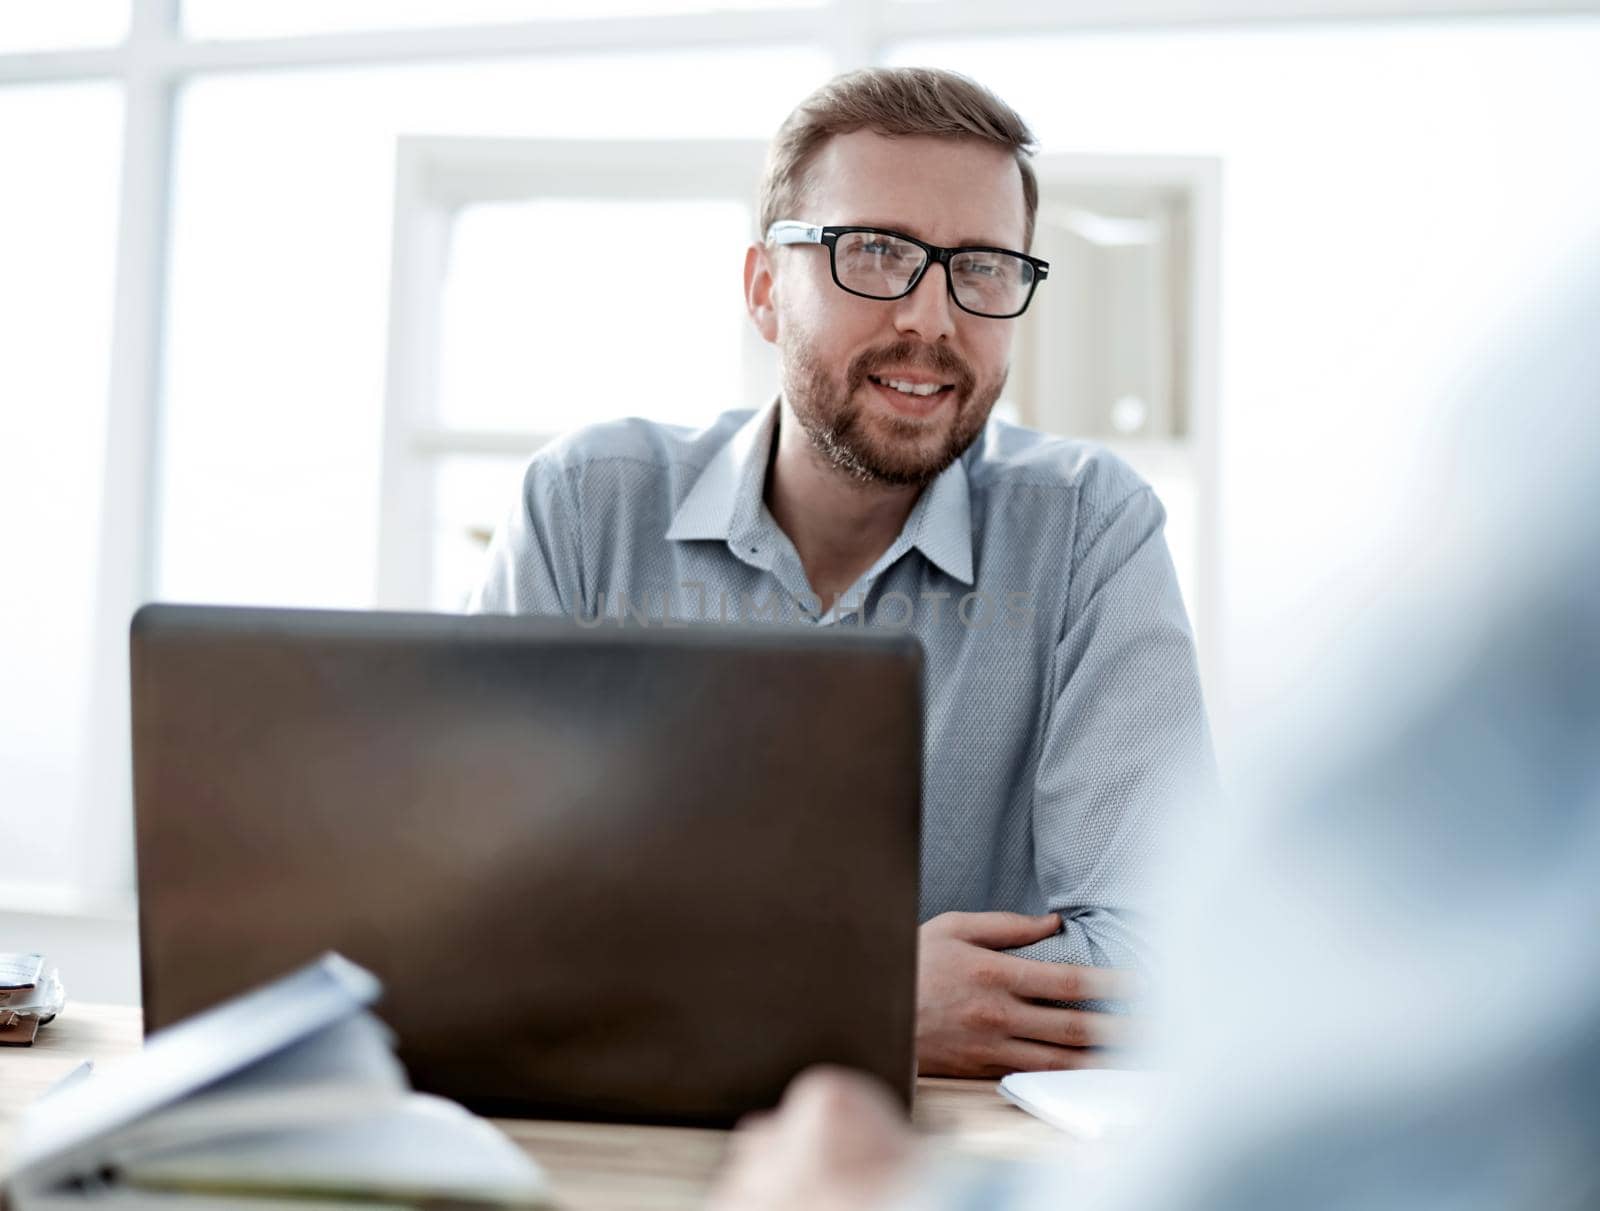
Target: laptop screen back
point(642, 875)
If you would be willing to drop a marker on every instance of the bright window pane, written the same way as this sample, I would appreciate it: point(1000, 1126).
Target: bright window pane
point(471, 495)
point(59, 145)
point(28, 25)
point(281, 251)
point(1397, 200)
point(274, 18)
point(558, 312)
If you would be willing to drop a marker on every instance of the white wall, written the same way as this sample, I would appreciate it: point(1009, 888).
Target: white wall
point(98, 956)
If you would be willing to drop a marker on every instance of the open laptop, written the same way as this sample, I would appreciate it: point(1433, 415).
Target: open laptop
point(602, 873)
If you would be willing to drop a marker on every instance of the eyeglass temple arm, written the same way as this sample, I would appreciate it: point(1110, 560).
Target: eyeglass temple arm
point(792, 231)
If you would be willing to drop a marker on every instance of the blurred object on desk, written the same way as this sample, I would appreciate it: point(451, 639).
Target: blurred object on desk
point(290, 1091)
point(30, 996)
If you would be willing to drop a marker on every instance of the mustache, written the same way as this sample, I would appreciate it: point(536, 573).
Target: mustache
point(936, 359)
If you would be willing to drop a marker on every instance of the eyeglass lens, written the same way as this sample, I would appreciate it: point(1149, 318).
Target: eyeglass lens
point(883, 267)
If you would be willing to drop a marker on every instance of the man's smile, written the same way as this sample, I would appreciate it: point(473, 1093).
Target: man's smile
point(910, 397)
point(910, 384)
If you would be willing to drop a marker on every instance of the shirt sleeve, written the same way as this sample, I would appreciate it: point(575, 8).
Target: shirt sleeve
point(534, 563)
point(1126, 745)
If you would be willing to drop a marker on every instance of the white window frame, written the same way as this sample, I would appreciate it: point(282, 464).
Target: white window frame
point(1196, 181)
point(434, 178)
point(156, 58)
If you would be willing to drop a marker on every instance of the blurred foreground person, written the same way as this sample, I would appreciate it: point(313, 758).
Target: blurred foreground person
point(1404, 1008)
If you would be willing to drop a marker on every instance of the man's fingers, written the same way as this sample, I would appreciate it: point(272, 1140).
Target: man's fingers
point(998, 930)
point(830, 1090)
point(1042, 981)
point(1072, 1027)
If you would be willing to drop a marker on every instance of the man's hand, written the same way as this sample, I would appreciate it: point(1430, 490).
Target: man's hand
point(978, 1012)
point(837, 1143)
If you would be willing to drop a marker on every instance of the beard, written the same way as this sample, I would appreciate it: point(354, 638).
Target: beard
point(874, 448)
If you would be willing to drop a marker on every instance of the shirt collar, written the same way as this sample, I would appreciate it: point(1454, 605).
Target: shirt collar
point(725, 501)
point(729, 489)
point(940, 525)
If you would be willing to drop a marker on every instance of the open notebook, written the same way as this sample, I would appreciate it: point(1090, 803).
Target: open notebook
point(289, 1095)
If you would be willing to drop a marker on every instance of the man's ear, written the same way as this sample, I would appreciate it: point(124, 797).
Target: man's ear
point(758, 285)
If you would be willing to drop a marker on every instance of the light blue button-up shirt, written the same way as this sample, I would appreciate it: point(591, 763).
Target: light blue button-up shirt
point(1064, 716)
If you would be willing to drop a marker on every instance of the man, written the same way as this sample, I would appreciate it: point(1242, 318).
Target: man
point(1063, 703)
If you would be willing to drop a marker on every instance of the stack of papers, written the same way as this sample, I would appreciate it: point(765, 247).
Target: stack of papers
point(30, 995)
point(1095, 1104)
point(289, 1095)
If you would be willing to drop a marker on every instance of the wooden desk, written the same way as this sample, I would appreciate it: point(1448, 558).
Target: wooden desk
point(593, 1167)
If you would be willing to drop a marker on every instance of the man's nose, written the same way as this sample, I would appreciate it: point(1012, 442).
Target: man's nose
point(928, 311)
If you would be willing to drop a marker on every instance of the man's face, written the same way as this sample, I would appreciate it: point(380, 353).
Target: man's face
point(840, 352)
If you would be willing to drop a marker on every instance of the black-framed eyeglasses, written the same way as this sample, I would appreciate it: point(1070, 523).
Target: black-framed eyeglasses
point(876, 263)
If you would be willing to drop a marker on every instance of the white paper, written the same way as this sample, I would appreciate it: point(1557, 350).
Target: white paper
point(1097, 1103)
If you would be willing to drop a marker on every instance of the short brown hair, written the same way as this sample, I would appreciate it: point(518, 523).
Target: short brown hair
point(891, 101)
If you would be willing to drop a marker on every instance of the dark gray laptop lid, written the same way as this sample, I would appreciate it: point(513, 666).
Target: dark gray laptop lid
point(641, 874)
